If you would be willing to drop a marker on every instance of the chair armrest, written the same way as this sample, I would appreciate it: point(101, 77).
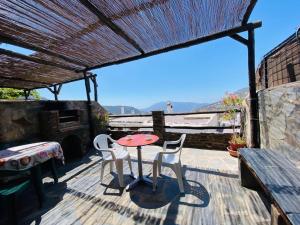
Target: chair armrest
point(166, 143)
point(107, 150)
point(115, 142)
point(112, 140)
point(170, 152)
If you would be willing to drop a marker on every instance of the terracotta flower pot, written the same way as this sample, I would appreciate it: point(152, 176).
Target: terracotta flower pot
point(235, 147)
point(232, 152)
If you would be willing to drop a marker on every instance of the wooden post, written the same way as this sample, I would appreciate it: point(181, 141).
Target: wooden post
point(89, 105)
point(26, 94)
point(254, 121)
point(266, 73)
point(94, 80)
point(55, 90)
point(55, 93)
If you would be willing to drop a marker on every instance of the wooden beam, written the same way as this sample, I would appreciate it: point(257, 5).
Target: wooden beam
point(19, 43)
point(111, 25)
point(248, 12)
point(33, 59)
point(183, 45)
point(24, 80)
point(48, 85)
point(239, 39)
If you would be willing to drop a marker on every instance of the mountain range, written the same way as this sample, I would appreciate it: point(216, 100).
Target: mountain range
point(115, 110)
point(219, 105)
point(178, 107)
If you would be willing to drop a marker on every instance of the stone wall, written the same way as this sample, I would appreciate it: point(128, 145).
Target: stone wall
point(279, 113)
point(20, 122)
point(211, 141)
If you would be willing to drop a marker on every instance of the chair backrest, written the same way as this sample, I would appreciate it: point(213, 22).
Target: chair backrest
point(101, 142)
point(182, 139)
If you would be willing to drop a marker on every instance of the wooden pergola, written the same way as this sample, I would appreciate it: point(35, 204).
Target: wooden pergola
point(70, 38)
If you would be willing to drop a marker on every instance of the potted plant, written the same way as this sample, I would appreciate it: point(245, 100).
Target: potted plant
point(235, 143)
point(232, 104)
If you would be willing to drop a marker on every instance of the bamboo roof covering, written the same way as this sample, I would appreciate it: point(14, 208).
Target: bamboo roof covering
point(72, 36)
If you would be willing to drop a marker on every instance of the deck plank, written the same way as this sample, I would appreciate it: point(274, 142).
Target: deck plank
point(213, 196)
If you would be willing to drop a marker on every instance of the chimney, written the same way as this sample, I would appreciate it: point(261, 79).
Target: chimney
point(169, 107)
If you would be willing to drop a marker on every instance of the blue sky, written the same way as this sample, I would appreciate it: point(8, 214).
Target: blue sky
point(201, 73)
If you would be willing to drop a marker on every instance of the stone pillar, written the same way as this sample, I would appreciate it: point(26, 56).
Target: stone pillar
point(159, 125)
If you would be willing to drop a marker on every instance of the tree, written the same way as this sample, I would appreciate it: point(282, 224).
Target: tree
point(12, 93)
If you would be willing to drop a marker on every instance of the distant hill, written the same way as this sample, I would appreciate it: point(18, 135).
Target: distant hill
point(219, 106)
point(177, 107)
point(115, 110)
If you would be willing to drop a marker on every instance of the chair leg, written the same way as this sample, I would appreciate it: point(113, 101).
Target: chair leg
point(182, 172)
point(111, 166)
point(155, 165)
point(103, 164)
point(177, 170)
point(119, 167)
point(129, 163)
point(54, 170)
point(159, 166)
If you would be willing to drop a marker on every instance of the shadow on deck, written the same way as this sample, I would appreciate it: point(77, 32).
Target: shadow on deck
point(212, 196)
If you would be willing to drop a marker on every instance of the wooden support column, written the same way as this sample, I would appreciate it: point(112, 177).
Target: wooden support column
point(254, 121)
point(94, 80)
point(89, 105)
point(27, 94)
point(266, 73)
point(55, 91)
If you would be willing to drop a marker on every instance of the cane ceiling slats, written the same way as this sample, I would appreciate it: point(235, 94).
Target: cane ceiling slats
point(74, 32)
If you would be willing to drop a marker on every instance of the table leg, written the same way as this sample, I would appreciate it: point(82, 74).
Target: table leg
point(53, 170)
point(140, 178)
point(38, 183)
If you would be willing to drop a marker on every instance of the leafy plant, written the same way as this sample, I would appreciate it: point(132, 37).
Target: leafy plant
point(232, 104)
point(102, 118)
point(236, 139)
point(12, 93)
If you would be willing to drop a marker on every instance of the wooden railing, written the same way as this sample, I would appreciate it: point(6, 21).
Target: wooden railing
point(135, 127)
point(171, 114)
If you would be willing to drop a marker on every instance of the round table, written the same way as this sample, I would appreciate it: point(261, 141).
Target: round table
point(138, 140)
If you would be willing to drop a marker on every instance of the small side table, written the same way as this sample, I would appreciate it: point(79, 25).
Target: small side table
point(138, 140)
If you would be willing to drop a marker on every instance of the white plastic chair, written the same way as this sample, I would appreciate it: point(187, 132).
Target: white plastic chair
point(116, 155)
point(169, 158)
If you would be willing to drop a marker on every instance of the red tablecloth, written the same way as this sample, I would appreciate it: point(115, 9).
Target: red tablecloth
point(138, 140)
point(26, 156)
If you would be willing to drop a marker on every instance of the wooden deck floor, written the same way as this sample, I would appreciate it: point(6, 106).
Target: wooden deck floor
point(213, 195)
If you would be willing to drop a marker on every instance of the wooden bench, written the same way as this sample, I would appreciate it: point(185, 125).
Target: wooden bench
point(277, 177)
